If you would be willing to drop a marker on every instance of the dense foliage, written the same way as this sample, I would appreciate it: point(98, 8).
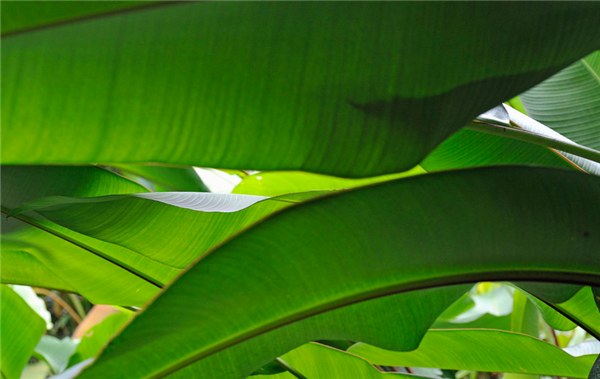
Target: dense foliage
point(300, 190)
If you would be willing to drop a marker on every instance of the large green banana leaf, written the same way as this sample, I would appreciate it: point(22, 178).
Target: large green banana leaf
point(39, 14)
point(38, 252)
point(569, 101)
point(276, 85)
point(339, 251)
point(316, 361)
point(21, 328)
point(483, 350)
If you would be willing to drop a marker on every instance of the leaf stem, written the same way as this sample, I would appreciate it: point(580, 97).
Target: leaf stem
point(77, 304)
point(538, 139)
point(60, 301)
point(291, 370)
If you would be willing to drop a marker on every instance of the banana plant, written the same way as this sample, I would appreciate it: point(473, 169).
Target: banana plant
point(419, 188)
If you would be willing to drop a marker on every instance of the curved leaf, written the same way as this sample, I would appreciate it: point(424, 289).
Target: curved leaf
point(316, 361)
point(569, 101)
point(232, 85)
point(581, 310)
point(172, 228)
point(483, 350)
point(284, 182)
point(342, 250)
point(38, 14)
point(168, 178)
point(93, 341)
point(527, 123)
point(21, 330)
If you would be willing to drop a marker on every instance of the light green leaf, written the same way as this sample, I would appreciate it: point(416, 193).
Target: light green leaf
point(487, 321)
point(483, 350)
point(234, 84)
point(98, 336)
point(316, 361)
point(554, 319)
point(37, 252)
point(582, 310)
point(285, 182)
point(38, 370)
point(340, 251)
point(32, 299)
point(171, 228)
point(21, 330)
point(525, 317)
point(569, 101)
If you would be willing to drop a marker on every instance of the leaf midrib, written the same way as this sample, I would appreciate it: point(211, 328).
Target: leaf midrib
point(591, 71)
point(84, 247)
point(93, 17)
point(455, 279)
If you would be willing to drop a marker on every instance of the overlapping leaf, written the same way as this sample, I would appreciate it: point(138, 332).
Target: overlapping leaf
point(40, 253)
point(316, 361)
point(483, 350)
point(569, 101)
point(339, 251)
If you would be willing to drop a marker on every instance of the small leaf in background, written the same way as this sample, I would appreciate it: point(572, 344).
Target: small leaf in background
point(483, 350)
